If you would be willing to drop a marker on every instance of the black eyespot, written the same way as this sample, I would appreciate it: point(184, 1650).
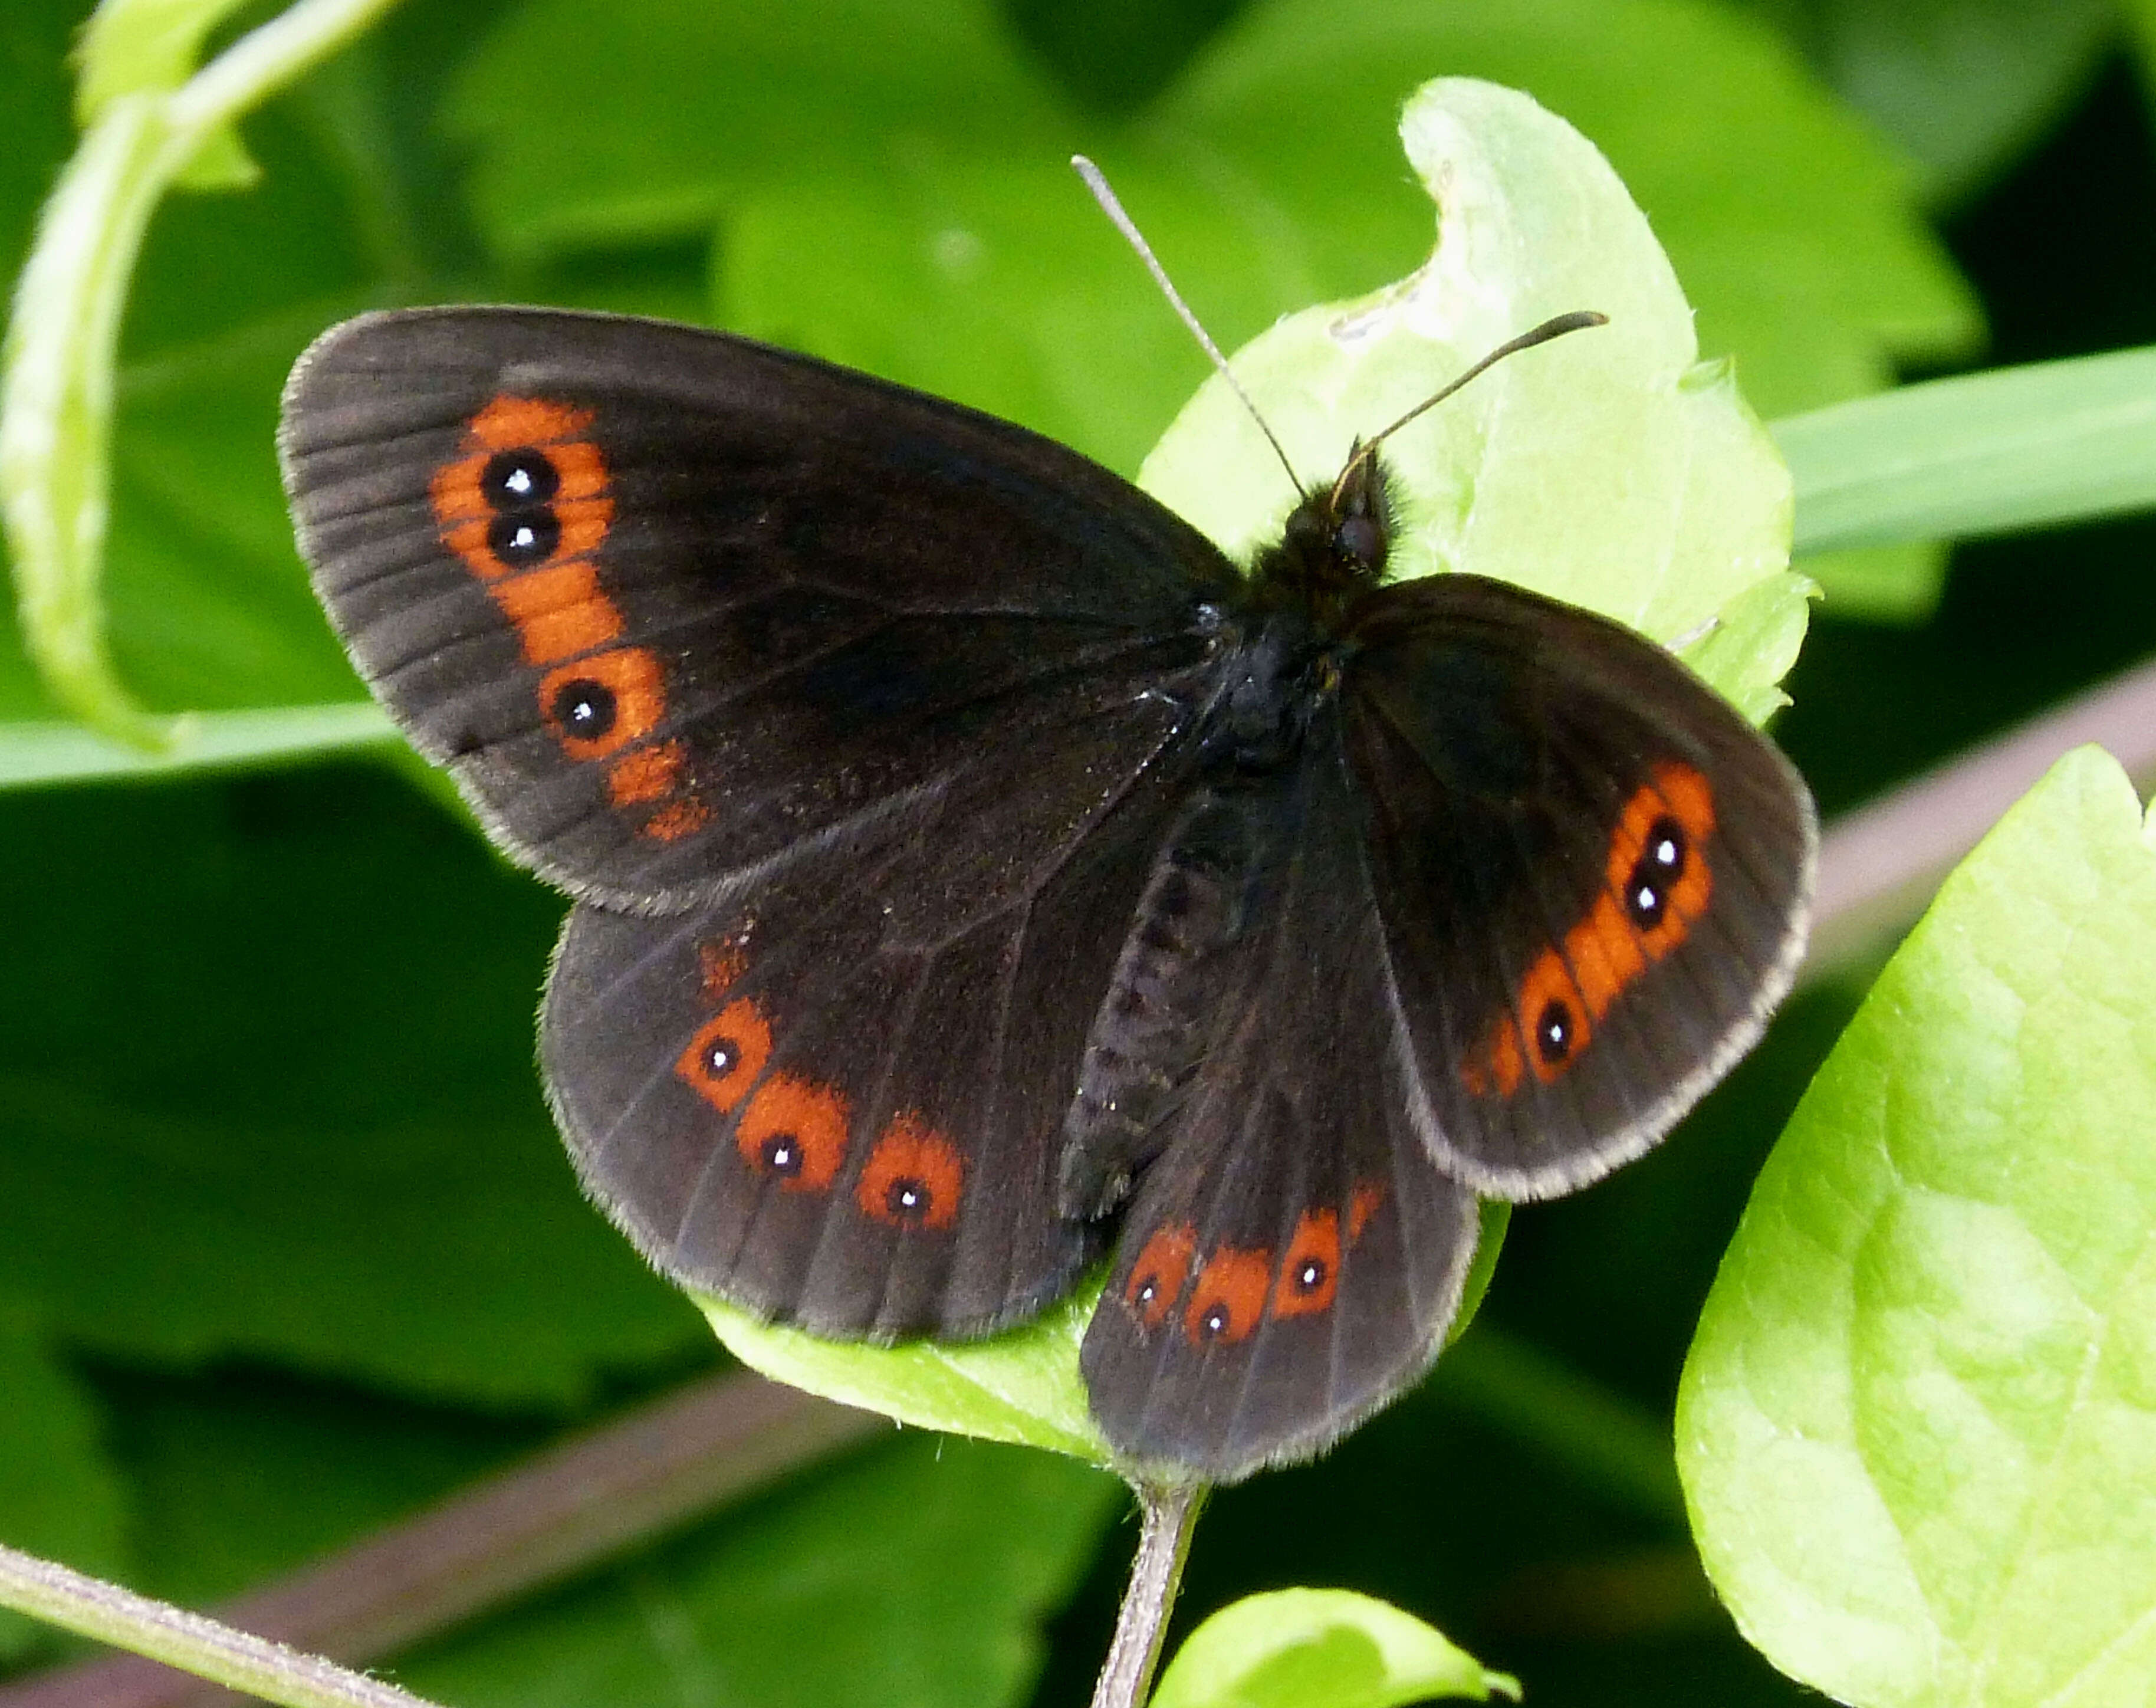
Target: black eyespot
point(783, 1155)
point(1553, 1032)
point(907, 1200)
point(515, 478)
point(1148, 1291)
point(1215, 1321)
point(521, 537)
point(1310, 1274)
point(719, 1060)
point(584, 709)
point(1661, 863)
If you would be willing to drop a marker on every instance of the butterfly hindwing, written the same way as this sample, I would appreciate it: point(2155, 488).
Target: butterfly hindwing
point(1292, 1257)
point(1593, 874)
point(672, 606)
point(799, 1101)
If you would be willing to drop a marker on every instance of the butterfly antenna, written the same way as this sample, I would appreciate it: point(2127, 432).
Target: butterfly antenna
point(1554, 327)
point(1114, 209)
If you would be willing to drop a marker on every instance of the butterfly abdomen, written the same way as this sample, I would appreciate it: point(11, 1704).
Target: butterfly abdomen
point(1153, 1026)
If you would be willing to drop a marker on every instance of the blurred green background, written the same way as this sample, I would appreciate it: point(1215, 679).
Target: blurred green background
point(287, 1246)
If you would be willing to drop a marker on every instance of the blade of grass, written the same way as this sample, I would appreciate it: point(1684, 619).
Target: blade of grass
point(1984, 454)
point(38, 755)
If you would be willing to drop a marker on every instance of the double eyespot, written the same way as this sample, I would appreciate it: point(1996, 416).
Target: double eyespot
point(1235, 1288)
point(797, 1131)
point(526, 506)
point(1656, 882)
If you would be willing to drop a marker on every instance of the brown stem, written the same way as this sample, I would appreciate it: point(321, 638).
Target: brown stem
point(670, 1461)
point(1879, 864)
point(1166, 1513)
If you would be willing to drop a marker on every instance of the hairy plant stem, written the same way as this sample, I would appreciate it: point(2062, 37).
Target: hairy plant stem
point(1167, 1512)
point(203, 1646)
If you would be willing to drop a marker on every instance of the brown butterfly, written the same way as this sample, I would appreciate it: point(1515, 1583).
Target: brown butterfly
point(977, 872)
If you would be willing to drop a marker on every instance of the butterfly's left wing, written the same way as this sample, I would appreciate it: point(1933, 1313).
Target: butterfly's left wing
point(1593, 876)
point(1293, 1257)
point(796, 1100)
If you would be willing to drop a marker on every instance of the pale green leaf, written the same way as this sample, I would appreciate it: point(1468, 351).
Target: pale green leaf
point(1022, 1387)
point(1918, 1428)
point(132, 46)
point(1320, 1648)
point(1610, 468)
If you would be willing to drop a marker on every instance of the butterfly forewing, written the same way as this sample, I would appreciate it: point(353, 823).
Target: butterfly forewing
point(1593, 875)
point(674, 607)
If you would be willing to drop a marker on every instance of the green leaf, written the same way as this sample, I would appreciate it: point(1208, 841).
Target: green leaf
point(1610, 468)
point(58, 1494)
point(1918, 1428)
point(1320, 1648)
point(132, 46)
point(601, 124)
point(266, 1092)
point(916, 1576)
point(1023, 1387)
point(994, 280)
point(1961, 86)
point(2015, 448)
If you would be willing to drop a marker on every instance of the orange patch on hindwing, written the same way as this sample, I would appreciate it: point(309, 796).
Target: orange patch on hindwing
point(719, 963)
point(795, 1129)
point(727, 1054)
point(1228, 1298)
point(1656, 882)
point(914, 1178)
point(1156, 1278)
point(526, 506)
point(1310, 1268)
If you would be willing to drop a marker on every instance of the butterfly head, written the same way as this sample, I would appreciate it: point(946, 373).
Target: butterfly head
point(1334, 546)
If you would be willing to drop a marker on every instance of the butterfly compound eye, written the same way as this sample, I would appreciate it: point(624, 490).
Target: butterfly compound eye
point(1361, 539)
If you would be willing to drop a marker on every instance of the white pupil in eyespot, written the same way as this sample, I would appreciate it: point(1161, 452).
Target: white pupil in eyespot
point(1665, 853)
point(519, 482)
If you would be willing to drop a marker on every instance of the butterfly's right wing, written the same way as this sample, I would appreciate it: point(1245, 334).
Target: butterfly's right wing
point(674, 607)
